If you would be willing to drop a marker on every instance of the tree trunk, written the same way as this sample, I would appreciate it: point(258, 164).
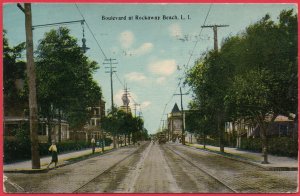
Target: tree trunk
point(103, 141)
point(49, 129)
point(59, 126)
point(264, 142)
point(129, 139)
point(204, 141)
point(221, 134)
point(118, 143)
point(125, 139)
point(114, 141)
point(264, 127)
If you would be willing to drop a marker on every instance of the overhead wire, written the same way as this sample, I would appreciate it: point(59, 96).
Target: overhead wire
point(186, 65)
point(123, 84)
point(105, 57)
point(199, 36)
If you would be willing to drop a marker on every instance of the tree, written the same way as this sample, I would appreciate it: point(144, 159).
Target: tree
point(200, 122)
point(15, 96)
point(266, 85)
point(65, 80)
point(120, 122)
point(210, 79)
point(252, 77)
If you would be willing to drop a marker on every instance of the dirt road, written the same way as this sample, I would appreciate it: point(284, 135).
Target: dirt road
point(154, 168)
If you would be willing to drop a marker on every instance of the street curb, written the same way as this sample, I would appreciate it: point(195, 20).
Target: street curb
point(267, 168)
point(65, 162)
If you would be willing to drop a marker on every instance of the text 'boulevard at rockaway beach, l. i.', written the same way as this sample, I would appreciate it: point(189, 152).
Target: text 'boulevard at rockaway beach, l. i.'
point(145, 18)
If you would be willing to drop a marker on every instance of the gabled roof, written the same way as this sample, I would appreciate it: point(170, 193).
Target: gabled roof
point(175, 109)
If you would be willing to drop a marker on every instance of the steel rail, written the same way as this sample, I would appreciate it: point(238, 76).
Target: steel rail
point(110, 168)
point(201, 169)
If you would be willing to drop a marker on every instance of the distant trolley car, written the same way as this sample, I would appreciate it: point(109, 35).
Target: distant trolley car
point(161, 138)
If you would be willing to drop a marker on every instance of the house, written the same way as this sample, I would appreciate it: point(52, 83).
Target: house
point(174, 124)
point(13, 123)
point(93, 126)
point(282, 126)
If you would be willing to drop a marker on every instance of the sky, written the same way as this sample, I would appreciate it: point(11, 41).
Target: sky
point(150, 54)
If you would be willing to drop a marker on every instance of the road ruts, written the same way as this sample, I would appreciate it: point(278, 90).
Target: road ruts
point(71, 177)
point(109, 180)
point(190, 177)
point(242, 177)
point(155, 175)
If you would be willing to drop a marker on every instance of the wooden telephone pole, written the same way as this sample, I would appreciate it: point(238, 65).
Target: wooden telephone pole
point(33, 117)
point(111, 71)
point(215, 29)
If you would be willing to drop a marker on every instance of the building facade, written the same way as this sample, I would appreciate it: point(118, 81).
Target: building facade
point(93, 126)
point(174, 124)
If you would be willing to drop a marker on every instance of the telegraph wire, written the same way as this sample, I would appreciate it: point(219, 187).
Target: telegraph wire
point(122, 84)
point(199, 35)
point(186, 66)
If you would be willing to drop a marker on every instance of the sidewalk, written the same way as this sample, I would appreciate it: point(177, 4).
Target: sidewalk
point(63, 159)
point(275, 162)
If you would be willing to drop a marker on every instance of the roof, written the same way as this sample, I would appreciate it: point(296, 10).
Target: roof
point(175, 108)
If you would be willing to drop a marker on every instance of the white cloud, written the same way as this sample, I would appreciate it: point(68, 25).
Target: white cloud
point(135, 76)
point(160, 80)
point(118, 98)
point(126, 38)
point(163, 67)
point(145, 104)
point(175, 30)
point(143, 49)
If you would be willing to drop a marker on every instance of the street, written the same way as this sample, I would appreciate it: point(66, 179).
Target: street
point(154, 168)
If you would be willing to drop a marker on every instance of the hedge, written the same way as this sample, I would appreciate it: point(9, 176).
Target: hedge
point(281, 146)
point(19, 150)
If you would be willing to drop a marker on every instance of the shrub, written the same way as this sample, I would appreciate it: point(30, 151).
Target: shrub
point(20, 149)
point(282, 146)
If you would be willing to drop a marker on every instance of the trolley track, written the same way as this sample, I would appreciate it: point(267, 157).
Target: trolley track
point(224, 184)
point(115, 169)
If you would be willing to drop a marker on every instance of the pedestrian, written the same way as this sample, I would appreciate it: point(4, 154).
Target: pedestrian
point(53, 150)
point(93, 142)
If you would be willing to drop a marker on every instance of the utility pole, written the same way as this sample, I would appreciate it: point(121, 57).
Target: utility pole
point(111, 71)
point(215, 29)
point(182, 124)
point(33, 116)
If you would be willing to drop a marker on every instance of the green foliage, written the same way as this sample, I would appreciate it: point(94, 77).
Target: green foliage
point(253, 75)
point(209, 141)
point(118, 122)
point(13, 70)
point(20, 149)
point(281, 146)
point(65, 78)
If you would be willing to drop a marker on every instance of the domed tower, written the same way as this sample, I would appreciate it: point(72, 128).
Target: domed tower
point(125, 107)
point(125, 99)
